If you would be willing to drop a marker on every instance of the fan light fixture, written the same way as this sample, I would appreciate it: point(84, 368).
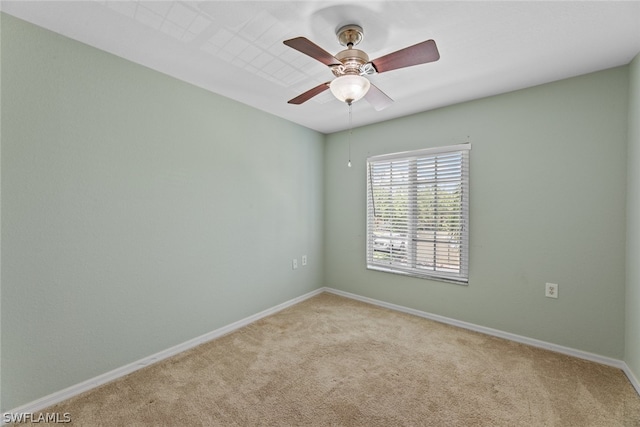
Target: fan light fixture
point(350, 87)
point(349, 66)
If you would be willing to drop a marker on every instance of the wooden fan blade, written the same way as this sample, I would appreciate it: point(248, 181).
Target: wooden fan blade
point(420, 53)
point(308, 47)
point(309, 94)
point(377, 98)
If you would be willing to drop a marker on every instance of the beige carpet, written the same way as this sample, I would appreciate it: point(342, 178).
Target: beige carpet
point(331, 361)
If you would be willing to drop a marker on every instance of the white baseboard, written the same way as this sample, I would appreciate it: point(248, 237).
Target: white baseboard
point(67, 393)
point(501, 334)
point(74, 390)
point(632, 378)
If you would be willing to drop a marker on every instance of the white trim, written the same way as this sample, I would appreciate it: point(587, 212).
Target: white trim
point(421, 152)
point(620, 364)
point(69, 392)
point(74, 390)
point(632, 378)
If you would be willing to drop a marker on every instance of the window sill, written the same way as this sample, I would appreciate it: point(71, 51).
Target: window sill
point(406, 273)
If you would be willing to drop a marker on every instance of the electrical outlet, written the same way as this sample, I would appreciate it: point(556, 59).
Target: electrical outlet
point(551, 290)
point(304, 260)
point(295, 263)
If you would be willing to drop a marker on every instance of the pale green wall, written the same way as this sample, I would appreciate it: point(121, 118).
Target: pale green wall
point(138, 212)
point(632, 342)
point(548, 178)
point(0, 215)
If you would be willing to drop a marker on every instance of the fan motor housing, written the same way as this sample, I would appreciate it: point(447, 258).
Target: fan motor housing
point(352, 60)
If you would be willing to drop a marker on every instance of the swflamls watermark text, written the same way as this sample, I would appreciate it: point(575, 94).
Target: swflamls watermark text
point(40, 417)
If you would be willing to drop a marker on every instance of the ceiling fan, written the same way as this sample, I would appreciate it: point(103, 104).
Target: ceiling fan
point(349, 66)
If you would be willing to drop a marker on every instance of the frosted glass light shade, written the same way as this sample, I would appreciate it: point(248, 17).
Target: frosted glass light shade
point(349, 88)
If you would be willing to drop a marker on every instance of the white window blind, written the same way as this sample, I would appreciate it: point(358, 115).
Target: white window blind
point(418, 213)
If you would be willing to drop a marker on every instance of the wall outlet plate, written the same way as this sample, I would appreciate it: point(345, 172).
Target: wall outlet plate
point(294, 263)
point(551, 290)
point(304, 260)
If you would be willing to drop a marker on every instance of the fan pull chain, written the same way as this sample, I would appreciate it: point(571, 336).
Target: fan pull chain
point(350, 132)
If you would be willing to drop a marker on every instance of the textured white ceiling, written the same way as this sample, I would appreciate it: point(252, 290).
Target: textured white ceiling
point(235, 48)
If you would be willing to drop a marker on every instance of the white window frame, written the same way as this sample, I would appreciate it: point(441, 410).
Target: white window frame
point(398, 229)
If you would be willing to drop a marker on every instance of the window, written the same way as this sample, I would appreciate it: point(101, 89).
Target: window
point(418, 213)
